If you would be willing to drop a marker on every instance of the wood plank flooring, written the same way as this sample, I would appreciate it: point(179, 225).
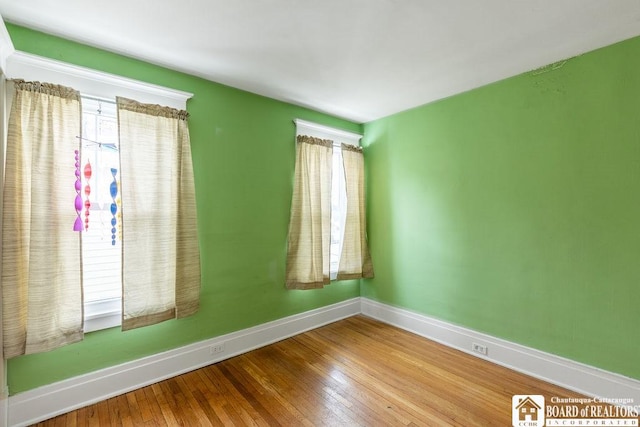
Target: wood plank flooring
point(357, 371)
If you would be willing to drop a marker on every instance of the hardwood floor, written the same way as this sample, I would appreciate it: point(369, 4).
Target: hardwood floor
point(357, 371)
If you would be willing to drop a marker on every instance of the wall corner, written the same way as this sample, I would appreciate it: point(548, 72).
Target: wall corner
point(6, 46)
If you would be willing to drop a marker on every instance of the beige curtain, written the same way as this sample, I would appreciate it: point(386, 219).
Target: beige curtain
point(309, 225)
point(161, 258)
point(41, 259)
point(355, 260)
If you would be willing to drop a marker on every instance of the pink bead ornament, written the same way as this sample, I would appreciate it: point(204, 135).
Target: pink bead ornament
point(87, 192)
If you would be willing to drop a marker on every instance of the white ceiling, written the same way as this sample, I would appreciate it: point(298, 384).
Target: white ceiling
point(357, 59)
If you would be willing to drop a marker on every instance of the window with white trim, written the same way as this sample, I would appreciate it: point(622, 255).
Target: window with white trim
point(101, 273)
point(338, 184)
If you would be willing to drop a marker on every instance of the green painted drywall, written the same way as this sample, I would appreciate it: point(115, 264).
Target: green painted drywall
point(514, 209)
point(243, 157)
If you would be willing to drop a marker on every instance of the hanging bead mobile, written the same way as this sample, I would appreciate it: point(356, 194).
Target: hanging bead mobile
point(77, 226)
point(113, 188)
point(87, 192)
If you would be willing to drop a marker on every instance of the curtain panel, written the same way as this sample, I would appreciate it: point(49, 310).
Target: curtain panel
point(161, 258)
point(41, 257)
point(310, 222)
point(355, 259)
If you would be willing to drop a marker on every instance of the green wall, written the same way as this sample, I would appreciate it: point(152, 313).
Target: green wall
point(514, 209)
point(243, 153)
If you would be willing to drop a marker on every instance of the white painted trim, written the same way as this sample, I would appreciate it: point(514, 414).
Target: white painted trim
point(4, 397)
point(21, 65)
point(102, 314)
point(338, 136)
point(4, 409)
point(54, 399)
point(6, 46)
point(557, 370)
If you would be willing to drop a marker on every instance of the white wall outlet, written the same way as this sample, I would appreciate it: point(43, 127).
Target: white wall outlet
point(479, 348)
point(216, 348)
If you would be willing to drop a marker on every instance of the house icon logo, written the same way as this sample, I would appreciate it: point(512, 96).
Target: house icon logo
point(527, 410)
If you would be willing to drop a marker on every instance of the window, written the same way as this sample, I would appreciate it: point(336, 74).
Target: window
point(327, 237)
point(338, 184)
point(101, 257)
point(101, 240)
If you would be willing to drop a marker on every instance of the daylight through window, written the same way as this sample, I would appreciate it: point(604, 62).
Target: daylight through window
point(101, 238)
point(338, 185)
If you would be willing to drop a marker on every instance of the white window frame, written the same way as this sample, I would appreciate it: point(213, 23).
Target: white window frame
point(96, 84)
point(22, 65)
point(338, 184)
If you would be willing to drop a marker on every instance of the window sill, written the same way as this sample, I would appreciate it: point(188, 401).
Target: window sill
point(102, 314)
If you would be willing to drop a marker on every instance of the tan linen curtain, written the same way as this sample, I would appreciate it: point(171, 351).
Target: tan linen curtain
point(161, 258)
point(310, 223)
point(355, 260)
point(41, 258)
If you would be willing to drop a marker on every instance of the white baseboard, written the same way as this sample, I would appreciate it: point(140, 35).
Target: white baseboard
point(58, 398)
point(557, 370)
point(4, 409)
point(54, 399)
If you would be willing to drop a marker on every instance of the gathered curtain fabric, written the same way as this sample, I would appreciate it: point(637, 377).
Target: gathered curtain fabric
point(41, 257)
point(161, 258)
point(355, 259)
point(310, 221)
point(42, 295)
point(309, 240)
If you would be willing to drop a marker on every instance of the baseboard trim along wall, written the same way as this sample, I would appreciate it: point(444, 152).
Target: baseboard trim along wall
point(554, 369)
point(4, 408)
point(54, 399)
point(58, 398)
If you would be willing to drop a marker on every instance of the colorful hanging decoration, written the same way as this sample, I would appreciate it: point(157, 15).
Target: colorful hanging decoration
point(77, 226)
point(119, 216)
point(87, 192)
point(113, 188)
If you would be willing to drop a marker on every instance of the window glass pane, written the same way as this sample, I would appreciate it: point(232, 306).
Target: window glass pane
point(338, 210)
point(102, 262)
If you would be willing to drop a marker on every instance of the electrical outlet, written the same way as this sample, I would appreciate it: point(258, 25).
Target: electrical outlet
point(479, 348)
point(216, 348)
